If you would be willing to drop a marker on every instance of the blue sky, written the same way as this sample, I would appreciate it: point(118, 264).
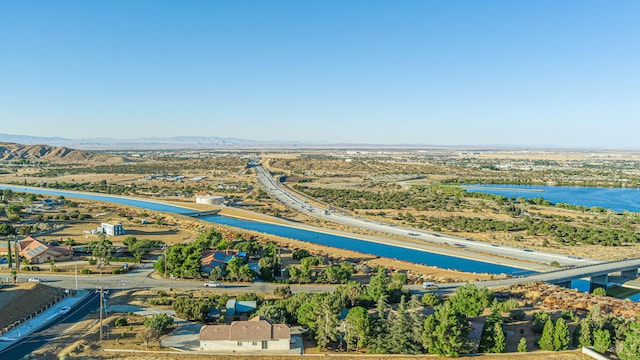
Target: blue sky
point(448, 72)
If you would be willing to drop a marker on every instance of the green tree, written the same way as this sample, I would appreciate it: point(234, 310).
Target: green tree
point(630, 346)
point(7, 229)
point(446, 332)
point(9, 252)
point(431, 299)
point(401, 338)
point(274, 313)
point(561, 338)
point(378, 285)
point(327, 322)
point(13, 212)
point(357, 327)
point(586, 336)
point(470, 299)
point(546, 340)
point(488, 336)
point(500, 341)
point(101, 249)
point(300, 254)
point(158, 324)
point(522, 345)
point(538, 322)
point(352, 291)
point(601, 340)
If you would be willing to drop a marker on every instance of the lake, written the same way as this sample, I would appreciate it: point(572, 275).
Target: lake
point(617, 199)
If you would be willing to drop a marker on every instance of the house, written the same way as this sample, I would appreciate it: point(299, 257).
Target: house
point(251, 335)
point(38, 252)
point(235, 307)
point(218, 258)
point(111, 229)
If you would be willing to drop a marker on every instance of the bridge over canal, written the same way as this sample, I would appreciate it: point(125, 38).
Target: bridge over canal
point(598, 274)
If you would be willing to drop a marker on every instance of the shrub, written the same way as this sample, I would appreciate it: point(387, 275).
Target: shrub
point(121, 321)
point(283, 291)
point(26, 268)
point(599, 292)
point(85, 271)
point(300, 254)
point(431, 299)
point(35, 268)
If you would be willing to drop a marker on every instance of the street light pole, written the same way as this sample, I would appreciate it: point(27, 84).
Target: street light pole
point(76, 277)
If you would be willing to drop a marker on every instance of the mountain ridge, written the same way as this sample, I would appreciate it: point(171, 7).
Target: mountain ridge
point(54, 154)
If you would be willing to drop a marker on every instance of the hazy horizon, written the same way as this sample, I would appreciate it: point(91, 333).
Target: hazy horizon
point(455, 73)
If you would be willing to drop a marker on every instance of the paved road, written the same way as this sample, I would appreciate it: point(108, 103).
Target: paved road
point(140, 278)
point(290, 199)
point(27, 344)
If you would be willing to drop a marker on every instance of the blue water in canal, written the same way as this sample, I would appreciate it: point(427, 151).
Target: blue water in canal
point(343, 242)
point(608, 198)
point(618, 199)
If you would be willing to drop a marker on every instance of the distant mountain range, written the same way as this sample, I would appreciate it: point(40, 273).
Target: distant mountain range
point(177, 142)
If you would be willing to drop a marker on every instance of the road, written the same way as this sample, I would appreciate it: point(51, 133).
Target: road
point(467, 245)
point(140, 278)
point(50, 332)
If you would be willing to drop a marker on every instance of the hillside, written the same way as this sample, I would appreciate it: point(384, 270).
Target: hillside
point(21, 300)
point(53, 154)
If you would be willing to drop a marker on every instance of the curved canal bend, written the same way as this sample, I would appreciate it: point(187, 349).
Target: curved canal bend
point(341, 242)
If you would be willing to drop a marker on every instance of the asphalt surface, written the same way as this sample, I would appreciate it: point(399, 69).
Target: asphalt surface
point(49, 332)
point(461, 245)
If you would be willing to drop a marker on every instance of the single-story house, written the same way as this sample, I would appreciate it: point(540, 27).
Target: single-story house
point(38, 252)
point(218, 258)
point(251, 335)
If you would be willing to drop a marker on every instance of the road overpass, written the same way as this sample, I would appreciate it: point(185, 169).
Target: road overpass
point(598, 274)
point(288, 198)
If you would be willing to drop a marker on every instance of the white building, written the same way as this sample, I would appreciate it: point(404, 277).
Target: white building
point(111, 229)
point(210, 200)
point(257, 334)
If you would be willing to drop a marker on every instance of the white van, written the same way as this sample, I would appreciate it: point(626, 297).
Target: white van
point(429, 286)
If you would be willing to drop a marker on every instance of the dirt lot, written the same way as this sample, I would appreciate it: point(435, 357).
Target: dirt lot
point(21, 299)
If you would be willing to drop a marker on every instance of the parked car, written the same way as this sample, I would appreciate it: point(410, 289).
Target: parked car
point(3, 260)
point(36, 280)
point(429, 286)
point(213, 284)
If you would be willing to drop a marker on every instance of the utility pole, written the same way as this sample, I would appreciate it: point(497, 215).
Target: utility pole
point(165, 262)
point(101, 312)
point(76, 277)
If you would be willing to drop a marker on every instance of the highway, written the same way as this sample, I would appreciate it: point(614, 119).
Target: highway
point(290, 199)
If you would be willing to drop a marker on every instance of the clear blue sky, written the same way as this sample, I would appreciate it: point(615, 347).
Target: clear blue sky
point(430, 72)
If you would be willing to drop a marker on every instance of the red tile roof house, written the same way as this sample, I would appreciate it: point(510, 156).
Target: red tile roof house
point(37, 252)
point(257, 334)
point(218, 258)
